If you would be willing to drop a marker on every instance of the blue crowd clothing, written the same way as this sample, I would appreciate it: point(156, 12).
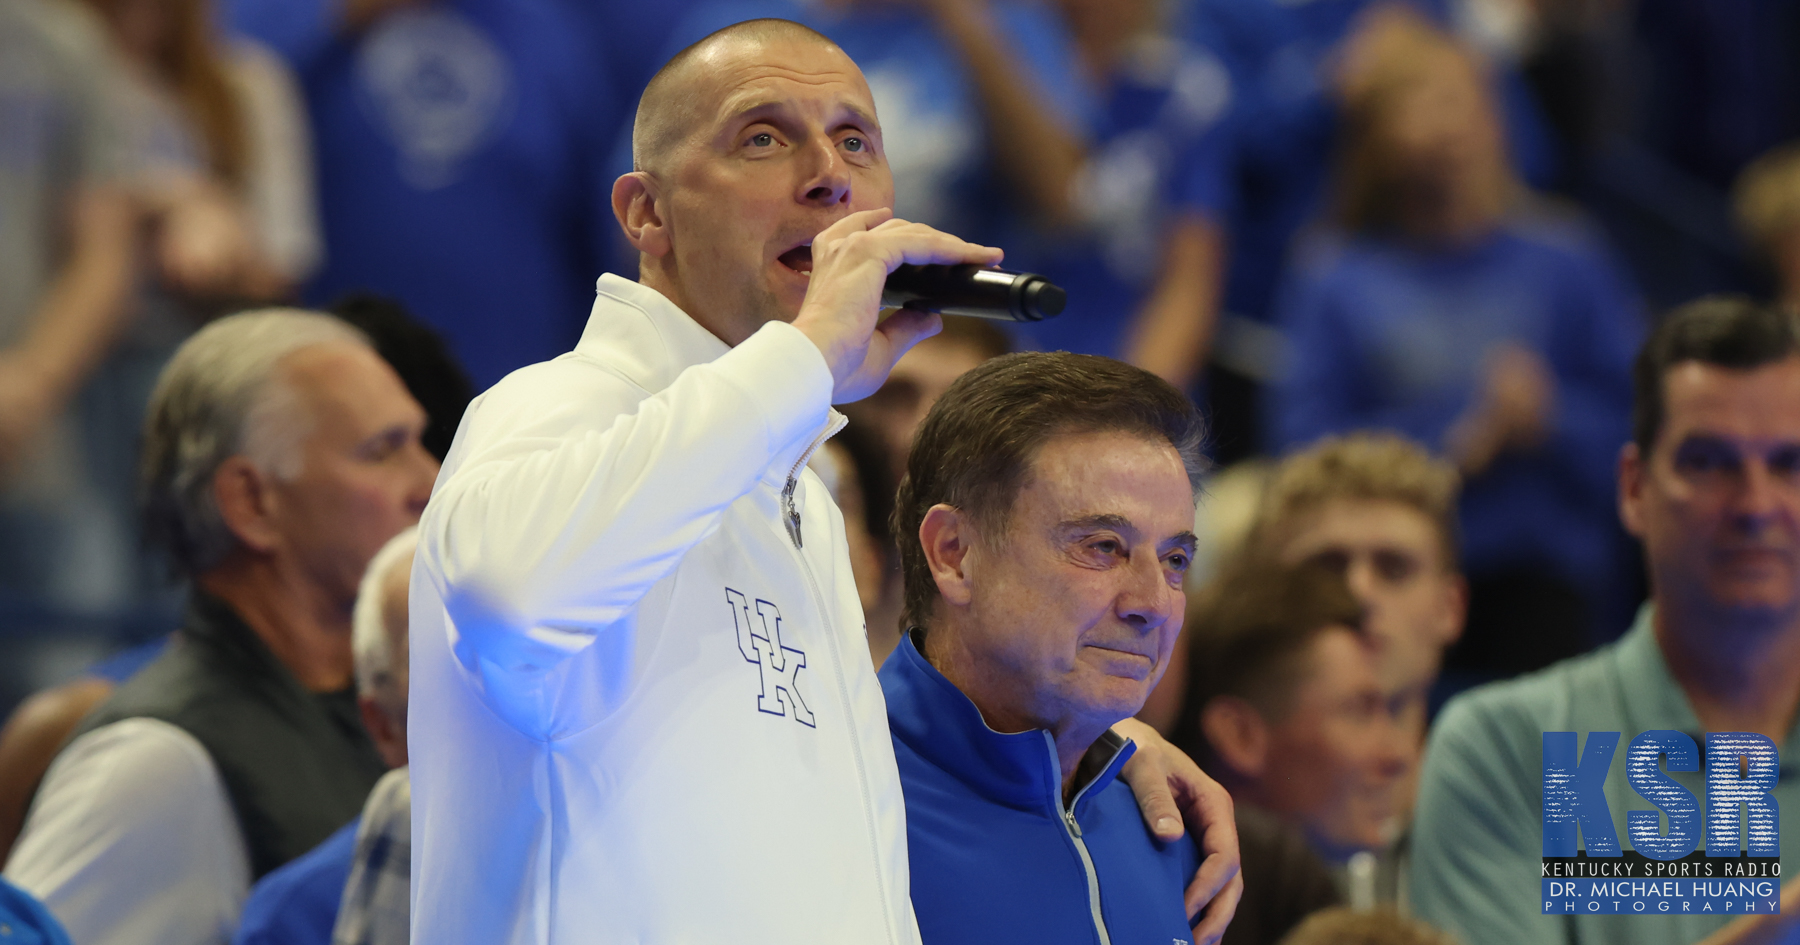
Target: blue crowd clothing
point(298, 903)
point(1283, 55)
point(1478, 829)
point(461, 158)
point(1161, 148)
point(996, 855)
point(25, 921)
point(1386, 335)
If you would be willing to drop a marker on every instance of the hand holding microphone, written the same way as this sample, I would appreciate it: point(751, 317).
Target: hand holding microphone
point(853, 264)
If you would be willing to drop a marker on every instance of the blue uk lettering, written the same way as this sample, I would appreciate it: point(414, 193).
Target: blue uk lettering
point(778, 666)
point(1575, 793)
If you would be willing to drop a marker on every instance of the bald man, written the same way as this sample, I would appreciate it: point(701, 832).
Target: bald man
point(642, 704)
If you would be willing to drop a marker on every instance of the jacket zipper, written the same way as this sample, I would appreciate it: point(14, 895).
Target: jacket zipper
point(792, 520)
point(1087, 862)
point(790, 513)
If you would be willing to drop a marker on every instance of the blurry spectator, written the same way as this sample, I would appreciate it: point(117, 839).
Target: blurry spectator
point(1382, 927)
point(1381, 512)
point(1449, 309)
point(1285, 707)
point(1123, 209)
point(25, 921)
point(1290, 62)
point(1768, 214)
point(37, 729)
point(460, 147)
point(1711, 483)
point(66, 232)
point(633, 36)
point(224, 171)
point(227, 157)
point(280, 454)
point(298, 904)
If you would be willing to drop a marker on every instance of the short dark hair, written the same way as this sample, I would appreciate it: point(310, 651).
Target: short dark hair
point(974, 448)
point(1728, 331)
point(1248, 634)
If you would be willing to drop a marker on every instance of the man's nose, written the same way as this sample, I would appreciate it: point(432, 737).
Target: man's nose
point(424, 476)
point(1147, 601)
point(827, 178)
point(1759, 500)
point(1395, 751)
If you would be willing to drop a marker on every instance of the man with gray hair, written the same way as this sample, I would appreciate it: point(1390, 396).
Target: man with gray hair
point(280, 453)
point(364, 866)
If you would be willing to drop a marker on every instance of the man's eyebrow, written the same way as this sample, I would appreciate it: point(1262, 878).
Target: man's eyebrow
point(1117, 523)
point(756, 108)
point(863, 119)
point(1186, 541)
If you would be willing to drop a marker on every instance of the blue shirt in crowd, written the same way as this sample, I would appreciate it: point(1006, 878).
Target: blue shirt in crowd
point(298, 903)
point(1160, 141)
point(1391, 336)
point(460, 148)
point(25, 921)
point(995, 854)
point(1282, 54)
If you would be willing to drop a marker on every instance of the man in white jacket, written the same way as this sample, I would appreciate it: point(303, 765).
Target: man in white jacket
point(643, 709)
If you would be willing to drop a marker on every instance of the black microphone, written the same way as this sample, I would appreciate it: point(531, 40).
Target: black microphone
point(972, 290)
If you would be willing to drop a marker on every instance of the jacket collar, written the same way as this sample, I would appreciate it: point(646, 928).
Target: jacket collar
point(931, 716)
point(637, 331)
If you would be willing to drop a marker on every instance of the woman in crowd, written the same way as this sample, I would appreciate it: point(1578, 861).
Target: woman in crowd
point(226, 156)
point(1448, 304)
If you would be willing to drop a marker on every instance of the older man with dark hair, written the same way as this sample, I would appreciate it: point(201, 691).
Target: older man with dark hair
point(1045, 525)
point(280, 453)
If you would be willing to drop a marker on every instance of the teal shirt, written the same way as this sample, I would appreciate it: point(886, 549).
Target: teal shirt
point(1478, 827)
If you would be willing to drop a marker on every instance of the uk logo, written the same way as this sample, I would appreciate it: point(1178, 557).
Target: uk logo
point(778, 666)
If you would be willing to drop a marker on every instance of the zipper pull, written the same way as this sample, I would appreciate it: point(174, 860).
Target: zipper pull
point(790, 512)
point(1074, 828)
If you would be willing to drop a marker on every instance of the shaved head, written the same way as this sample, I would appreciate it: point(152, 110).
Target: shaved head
point(669, 109)
point(746, 146)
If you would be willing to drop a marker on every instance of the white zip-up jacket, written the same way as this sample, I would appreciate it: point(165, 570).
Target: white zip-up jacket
point(642, 711)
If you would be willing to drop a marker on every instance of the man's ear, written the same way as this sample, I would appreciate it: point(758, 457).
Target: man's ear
point(246, 503)
point(634, 201)
point(947, 536)
point(1238, 735)
point(388, 736)
point(1631, 489)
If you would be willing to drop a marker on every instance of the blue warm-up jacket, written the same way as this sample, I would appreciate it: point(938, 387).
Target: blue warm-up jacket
point(996, 856)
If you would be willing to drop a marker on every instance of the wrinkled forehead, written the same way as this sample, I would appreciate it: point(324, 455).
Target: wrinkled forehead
point(737, 79)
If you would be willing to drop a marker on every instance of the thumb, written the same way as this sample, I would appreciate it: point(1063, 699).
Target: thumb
point(906, 328)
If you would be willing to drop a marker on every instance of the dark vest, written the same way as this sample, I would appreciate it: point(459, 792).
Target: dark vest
point(297, 764)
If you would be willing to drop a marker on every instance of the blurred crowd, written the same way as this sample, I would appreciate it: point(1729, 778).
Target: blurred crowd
point(1403, 254)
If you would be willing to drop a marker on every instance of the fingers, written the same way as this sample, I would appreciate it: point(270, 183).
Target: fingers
point(922, 245)
point(906, 328)
point(1211, 928)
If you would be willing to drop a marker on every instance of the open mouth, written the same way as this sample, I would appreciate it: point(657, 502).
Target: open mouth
point(798, 259)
